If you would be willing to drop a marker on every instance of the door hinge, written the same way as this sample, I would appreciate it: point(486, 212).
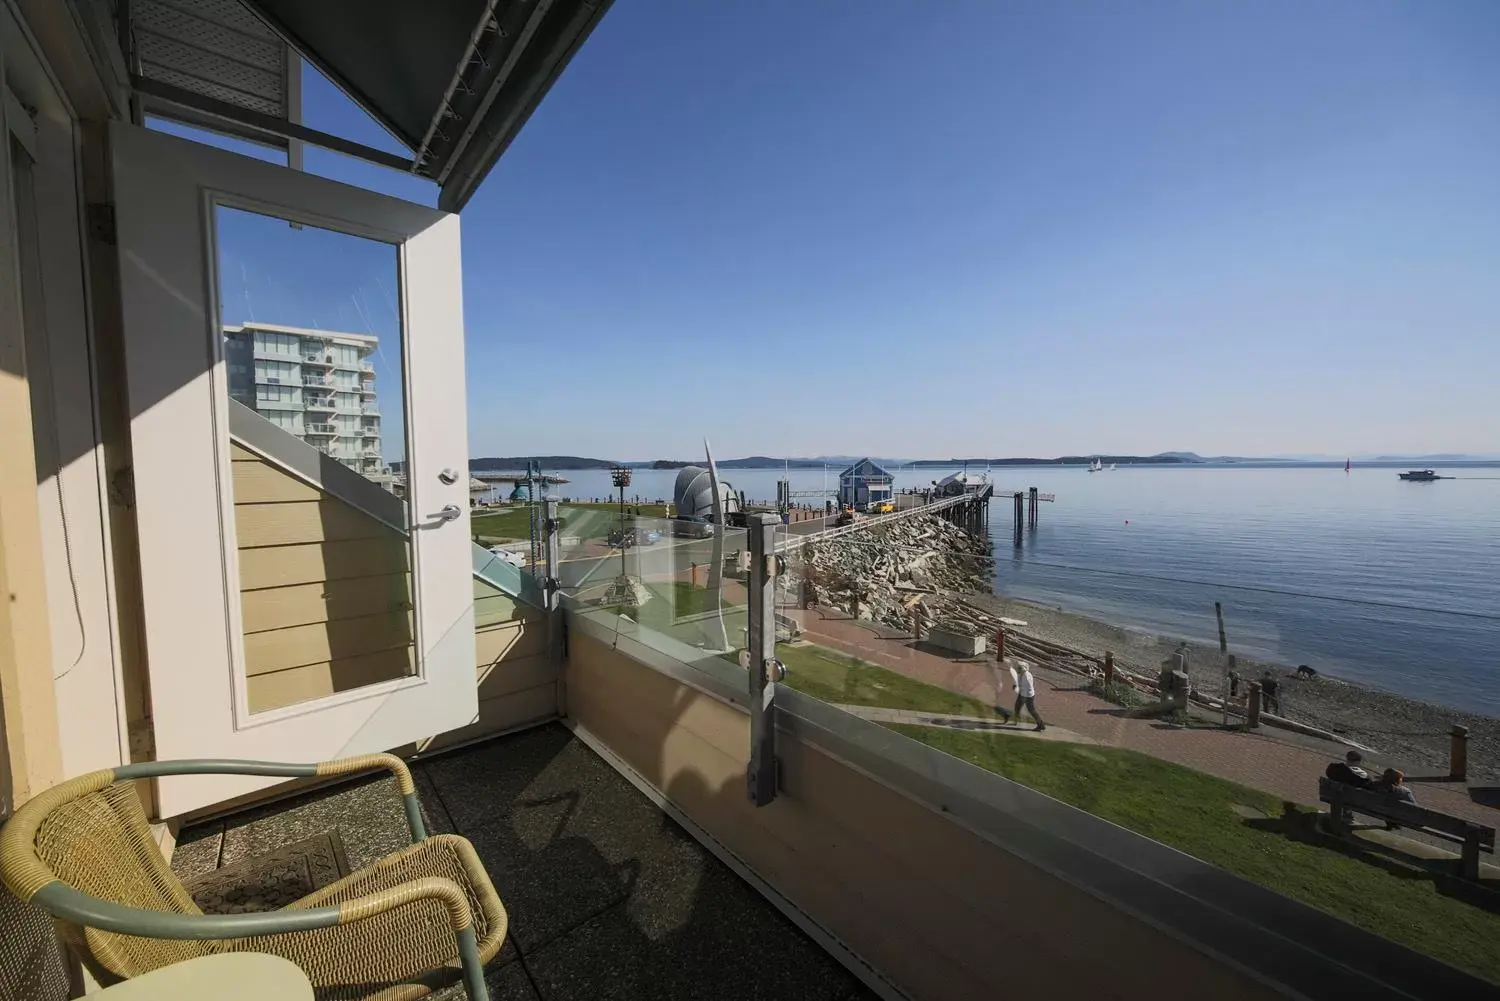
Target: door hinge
point(101, 217)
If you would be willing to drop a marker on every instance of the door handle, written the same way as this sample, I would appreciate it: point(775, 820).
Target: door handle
point(450, 512)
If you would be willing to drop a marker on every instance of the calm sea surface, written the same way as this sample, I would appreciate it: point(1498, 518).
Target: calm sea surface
point(1395, 585)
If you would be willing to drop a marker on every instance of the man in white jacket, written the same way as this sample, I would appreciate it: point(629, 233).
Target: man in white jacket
point(1026, 694)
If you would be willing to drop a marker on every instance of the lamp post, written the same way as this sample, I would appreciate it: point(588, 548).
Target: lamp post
point(620, 477)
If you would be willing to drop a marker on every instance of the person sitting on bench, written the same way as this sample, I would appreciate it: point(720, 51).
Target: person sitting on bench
point(1393, 784)
point(1350, 771)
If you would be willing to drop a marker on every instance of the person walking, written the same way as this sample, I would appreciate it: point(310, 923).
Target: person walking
point(1026, 694)
point(1268, 692)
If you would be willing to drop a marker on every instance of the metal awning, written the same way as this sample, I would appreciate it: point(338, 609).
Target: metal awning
point(452, 80)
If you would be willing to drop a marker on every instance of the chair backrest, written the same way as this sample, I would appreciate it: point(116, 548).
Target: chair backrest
point(99, 843)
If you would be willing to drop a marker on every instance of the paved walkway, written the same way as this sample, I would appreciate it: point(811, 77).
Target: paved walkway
point(1258, 760)
point(947, 721)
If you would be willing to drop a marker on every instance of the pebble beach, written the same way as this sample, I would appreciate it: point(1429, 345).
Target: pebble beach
point(1407, 733)
point(932, 568)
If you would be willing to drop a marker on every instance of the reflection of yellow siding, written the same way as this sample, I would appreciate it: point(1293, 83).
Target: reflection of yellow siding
point(922, 897)
point(325, 590)
point(326, 601)
point(516, 683)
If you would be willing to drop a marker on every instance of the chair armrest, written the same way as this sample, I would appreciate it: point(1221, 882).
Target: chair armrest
point(459, 916)
point(321, 769)
point(63, 901)
point(404, 784)
point(437, 888)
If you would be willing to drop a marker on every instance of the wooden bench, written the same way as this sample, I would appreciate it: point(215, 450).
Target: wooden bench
point(1345, 800)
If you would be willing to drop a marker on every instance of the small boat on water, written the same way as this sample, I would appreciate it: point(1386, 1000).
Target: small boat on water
point(1096, 466)
point(1419, 475)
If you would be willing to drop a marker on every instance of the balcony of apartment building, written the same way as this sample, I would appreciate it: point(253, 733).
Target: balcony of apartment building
point(320, 403)
point(370, 408)
point(680, 782)
point(317, 379)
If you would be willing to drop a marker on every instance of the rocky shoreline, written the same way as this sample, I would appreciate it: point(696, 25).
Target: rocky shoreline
point(927, 568)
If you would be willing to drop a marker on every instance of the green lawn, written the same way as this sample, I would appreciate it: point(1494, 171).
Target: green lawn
point(673, 601)
point(515, 522)
point(1194, 812)
point(838, 677)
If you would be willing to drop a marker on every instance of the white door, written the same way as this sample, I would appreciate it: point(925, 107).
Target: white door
point(291, 416)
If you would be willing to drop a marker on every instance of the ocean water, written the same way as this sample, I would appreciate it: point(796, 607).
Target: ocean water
point(1391, 584)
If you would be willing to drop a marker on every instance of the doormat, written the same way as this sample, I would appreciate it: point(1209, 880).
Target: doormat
point(271, 881)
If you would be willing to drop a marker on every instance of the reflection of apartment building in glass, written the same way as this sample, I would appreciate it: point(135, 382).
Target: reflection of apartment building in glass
point(316, 384)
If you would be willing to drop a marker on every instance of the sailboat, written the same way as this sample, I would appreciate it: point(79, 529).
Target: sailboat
point(1347, 463)
point(1096, 466)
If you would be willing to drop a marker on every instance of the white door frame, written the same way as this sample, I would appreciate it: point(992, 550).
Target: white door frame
point(71, 495)
point(166, 190)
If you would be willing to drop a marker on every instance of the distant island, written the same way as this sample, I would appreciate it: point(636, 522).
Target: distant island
point(561, 462)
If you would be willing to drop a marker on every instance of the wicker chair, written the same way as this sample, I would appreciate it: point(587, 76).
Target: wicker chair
point(395, 930)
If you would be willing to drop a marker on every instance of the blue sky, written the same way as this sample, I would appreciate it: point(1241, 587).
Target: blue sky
point(991, 228)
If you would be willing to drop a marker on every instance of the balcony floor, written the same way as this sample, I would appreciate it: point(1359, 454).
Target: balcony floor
point(608, 897)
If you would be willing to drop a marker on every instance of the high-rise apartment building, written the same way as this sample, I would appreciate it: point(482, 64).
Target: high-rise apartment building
point(316, 384)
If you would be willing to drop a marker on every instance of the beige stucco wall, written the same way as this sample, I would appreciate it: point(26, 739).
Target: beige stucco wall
point(935, 908)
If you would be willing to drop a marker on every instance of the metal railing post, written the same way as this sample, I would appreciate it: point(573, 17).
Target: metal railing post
point(761, 665)
point(552, 599)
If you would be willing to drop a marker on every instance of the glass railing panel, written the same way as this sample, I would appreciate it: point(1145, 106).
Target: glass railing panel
point(1092, 670)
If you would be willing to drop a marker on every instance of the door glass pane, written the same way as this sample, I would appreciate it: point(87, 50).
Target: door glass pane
point(312, 349)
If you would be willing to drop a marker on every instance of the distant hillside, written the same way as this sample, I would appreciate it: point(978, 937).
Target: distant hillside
point(553, 463)
point(509, 463)
point(1164, 458)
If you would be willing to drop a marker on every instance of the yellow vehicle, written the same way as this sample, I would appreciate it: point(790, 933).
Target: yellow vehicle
point(884, 507)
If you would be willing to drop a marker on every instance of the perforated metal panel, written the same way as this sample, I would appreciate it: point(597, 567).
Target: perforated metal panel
point(214, 48)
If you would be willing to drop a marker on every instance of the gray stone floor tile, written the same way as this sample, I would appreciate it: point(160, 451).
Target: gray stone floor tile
point(723, 942)
point(368, 815)
point(434, 811)
point(197, 850)
point(507, 982)
point(477, 783)
point(575, 840)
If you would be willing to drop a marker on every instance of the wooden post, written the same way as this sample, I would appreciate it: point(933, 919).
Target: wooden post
point(916, 624)
point(1228, 666)
point(1458, 753)
point(1109, 668)
point(1000, 645)
point(1018, 519)
point(1252, 710)
point(694, 572)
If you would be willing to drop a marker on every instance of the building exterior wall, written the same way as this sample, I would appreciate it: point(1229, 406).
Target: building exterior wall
point(317, 385)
